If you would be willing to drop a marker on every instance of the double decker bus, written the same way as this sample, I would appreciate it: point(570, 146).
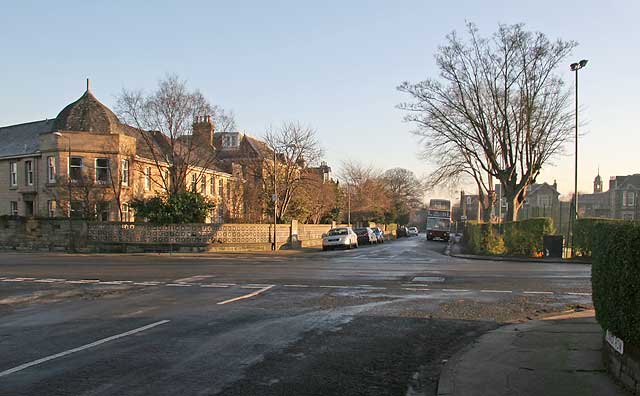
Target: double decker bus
point(439, 219)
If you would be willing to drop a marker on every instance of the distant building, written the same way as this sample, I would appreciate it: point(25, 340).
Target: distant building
point(623, 197)
point(596, 204)
point(541, 200)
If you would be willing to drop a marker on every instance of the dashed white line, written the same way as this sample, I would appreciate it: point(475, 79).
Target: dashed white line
point(295, 285)
point(416, 288)
point(579, 294)
point(334, 287)
point(255, 293)
point(455, 290)
point(78, 349)
point(215, 285)
point(178, 285)
point(537, 292)
point(13, 280)
point(496, 291)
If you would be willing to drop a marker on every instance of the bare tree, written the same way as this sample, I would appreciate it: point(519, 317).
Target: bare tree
point(165, 120)
point(296, 147)
point(497, 110)
point(364, 187)
point(404, 187)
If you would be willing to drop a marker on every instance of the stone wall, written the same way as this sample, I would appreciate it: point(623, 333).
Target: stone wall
point(20, 233)
point(625, 367)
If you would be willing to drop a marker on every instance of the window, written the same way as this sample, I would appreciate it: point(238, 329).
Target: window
point(167, 180)
point(75, 169)
point(228, 190)
point(147, 178)
point(28, 173)
point(77, 209)
point(51, 169)
point(545, 201)
point(51, 208)
point(102, 170)
point(14, 208)
point(220, 189)
point(126, 212)
point(124, 172)
point(628, 198)
point(627, 216)
point(102, 211)
point(212, 185)
point(13, 170)
point(193, 182)
point(203, 184)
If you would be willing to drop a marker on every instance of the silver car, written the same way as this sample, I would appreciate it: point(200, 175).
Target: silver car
point(339, 237)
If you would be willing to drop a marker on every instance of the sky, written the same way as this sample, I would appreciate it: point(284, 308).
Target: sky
point(333, 65)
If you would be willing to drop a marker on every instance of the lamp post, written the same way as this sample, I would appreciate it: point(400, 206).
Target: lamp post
point(575, 67)
point(68, 186)
point(274, 198)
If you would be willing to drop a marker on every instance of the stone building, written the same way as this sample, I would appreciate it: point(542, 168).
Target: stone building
point(623, 197)
point(541, 201)
point(596, 204)
point(86, 163)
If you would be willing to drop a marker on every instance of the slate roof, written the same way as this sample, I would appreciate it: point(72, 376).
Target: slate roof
point(23, 138)
point(536, 187)
point(628, 181)
point(87, 114)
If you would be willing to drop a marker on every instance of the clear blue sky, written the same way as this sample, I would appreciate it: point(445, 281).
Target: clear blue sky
point(332, 64)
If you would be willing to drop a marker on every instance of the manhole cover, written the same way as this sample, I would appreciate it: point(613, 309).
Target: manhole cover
point(428, 279)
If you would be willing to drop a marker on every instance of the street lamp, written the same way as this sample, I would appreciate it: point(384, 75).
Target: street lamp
point(58, 134)
point(274, 198)
point(575, 67)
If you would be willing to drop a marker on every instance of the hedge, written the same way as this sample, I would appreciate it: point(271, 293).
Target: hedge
point(524, 238)
point(521, 238)
point(583, 234)
point(615, 278)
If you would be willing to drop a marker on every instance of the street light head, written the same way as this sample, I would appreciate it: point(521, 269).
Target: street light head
point(574, 66)
point(57, 134)
point(583, 63)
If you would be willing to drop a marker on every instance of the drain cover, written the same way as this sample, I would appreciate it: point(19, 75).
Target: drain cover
point(428, 279)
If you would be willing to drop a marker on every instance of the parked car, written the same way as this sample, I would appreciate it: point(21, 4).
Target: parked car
point(379, 234)
point(412, 231)
point(402, 232)
point(366, 236)
point(339, 237)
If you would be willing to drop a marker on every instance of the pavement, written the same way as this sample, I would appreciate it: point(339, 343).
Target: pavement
point(560, 355)
point(377, 320)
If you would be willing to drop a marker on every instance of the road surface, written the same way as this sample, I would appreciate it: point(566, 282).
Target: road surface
point(377, 320)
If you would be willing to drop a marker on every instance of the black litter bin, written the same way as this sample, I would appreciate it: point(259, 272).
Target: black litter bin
point(552, 245)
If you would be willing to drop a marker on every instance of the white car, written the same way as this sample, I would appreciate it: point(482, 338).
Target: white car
point(339, 237)
point(413, 231)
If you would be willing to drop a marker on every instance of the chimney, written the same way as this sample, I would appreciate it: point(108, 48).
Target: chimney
point(203, 130)
point(555, 185)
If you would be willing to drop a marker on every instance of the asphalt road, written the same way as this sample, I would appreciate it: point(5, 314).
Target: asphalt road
point(376, 320)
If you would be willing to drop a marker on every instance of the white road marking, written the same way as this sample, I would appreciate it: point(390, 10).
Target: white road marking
point(496, 291)
point(110, 283)
point(146, 283)
point(537, 292)
point(215, 285)
point(78, 349)
point(455, 290)
point(255, 293)
point(251, 287)
point(194, 278)
point(415, 289)
point(178, 285)
point(26, 279)
point(295, 285)
point(83, 281)
point(13, 280)
point(579, 294)
point(334, 287)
